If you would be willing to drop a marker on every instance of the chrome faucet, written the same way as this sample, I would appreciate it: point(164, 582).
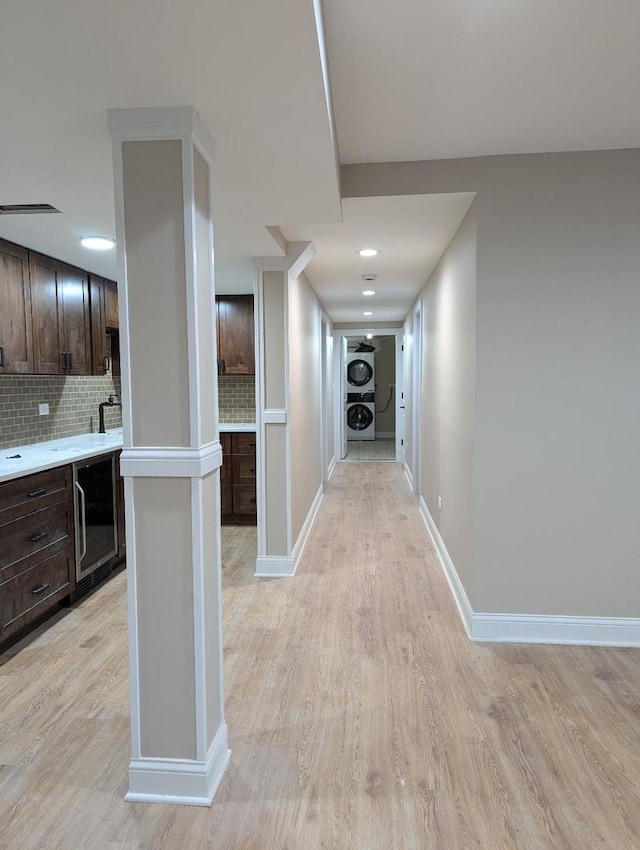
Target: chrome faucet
point(108, 403)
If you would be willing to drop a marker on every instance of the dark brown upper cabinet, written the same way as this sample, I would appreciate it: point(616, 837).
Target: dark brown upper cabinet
point(236, 350)
point(98, 325)
point(61, 317)
point(16, 341)
point(111, 305)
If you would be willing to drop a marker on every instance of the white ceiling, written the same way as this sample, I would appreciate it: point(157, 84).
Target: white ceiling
point(251, 69)
point(412, 79)
point(431, 79)
point(410, 232)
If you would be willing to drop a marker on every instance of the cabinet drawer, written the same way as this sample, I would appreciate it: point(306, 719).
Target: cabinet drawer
point(25, 495)
point(244, 469)
point(32, 591)
point(244, 443)
point(244, 499)
point(28, 536)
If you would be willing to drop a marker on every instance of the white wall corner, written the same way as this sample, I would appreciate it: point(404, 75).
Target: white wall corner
point(299, 255)
point(180, 781)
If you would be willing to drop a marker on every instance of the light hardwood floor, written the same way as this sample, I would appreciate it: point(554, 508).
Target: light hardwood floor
point(360, 716)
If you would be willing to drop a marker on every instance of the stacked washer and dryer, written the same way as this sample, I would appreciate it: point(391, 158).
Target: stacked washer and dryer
point(361, 409)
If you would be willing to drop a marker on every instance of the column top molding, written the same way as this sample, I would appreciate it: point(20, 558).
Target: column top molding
point(155, 123)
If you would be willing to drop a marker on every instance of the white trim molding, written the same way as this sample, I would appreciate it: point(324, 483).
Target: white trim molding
point(274, 566)
point(530, 628)
point(181, 781)
point(171, 461)
point(274, 416)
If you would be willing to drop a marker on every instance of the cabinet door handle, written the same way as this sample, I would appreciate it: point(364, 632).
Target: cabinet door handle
point(253, 445)
point(39, 536)
point(3, 359)
point(70, 356)
point(252, 469)
point(37, 493)
point(40, 588)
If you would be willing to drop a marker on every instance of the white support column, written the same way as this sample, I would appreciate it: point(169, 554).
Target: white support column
point(277, 553)
point(172, 455)
point(274, 504)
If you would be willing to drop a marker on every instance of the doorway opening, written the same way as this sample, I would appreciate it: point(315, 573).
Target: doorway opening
point(369, 378)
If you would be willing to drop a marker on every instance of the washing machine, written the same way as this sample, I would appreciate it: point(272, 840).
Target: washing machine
point(360, 416)
point(360, 373)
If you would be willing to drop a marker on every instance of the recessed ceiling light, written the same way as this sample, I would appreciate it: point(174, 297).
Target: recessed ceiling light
point(368, 252)
point(368, 292)
point(98, 243)
point(367, 313)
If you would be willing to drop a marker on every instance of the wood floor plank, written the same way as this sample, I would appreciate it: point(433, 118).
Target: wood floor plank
point(360, 716)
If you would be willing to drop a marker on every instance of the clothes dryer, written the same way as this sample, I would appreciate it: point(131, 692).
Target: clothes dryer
point(361, 373)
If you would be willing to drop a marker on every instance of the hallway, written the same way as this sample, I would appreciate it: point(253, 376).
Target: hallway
point(360, 716)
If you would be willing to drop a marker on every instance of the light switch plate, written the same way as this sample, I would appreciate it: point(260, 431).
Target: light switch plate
point(43, 409)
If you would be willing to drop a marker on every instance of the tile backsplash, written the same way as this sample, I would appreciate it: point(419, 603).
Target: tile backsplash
point(237, 398)
point(73, 406)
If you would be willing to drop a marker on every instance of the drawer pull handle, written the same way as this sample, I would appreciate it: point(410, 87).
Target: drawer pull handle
point(37, 493)
point(40, 536)
point(40, 588)
point(252, 469)
point(253, 445)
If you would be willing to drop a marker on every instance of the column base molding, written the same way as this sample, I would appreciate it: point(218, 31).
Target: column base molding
point(286, 565)
point(181, 781)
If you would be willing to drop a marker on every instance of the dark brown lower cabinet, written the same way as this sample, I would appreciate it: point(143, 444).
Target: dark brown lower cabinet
point(238, 478)
point(37, 554)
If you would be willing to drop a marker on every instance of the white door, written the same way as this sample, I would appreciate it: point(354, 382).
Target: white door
point(343, 397)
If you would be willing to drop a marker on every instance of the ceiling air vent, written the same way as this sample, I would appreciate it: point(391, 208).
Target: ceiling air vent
point(27, 209)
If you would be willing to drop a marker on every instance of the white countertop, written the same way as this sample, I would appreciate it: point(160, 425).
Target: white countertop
point(25, 460)
point(41, 456)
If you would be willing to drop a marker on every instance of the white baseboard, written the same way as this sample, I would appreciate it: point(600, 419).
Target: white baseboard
point(332, 467)
point(269, 566)
point(181, 781)
point(530, 628)
point(459, 594)
point(301, 542)
point(547, 628)
point(409, 476)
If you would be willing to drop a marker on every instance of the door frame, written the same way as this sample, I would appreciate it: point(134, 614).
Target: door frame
point(339, 336)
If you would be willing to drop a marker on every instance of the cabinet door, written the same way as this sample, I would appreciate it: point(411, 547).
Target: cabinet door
point(112, 320)
point(16, 343)
point(98, 326)
point(235, 335)
point(46, 279)
point(74, 306)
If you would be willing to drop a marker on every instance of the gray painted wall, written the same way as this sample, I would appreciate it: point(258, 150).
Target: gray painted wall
point(448, 397)
point(305, 397)
point(557, 354)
